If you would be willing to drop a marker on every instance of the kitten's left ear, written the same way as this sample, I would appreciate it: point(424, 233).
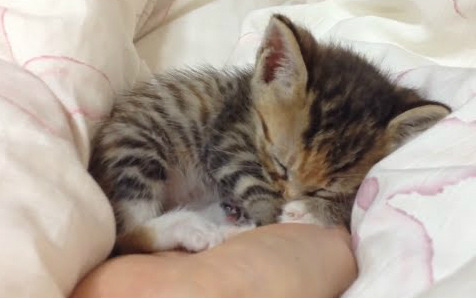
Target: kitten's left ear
point(280, 67)
point(414, 121)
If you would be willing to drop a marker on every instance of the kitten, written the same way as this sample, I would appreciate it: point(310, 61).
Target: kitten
point(289, 141)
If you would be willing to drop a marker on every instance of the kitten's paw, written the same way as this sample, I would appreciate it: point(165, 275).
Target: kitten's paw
point(298, 212)
point(197, 234)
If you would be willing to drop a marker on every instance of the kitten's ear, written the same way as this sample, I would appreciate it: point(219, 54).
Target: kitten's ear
point(414, 121)
point(279, 64)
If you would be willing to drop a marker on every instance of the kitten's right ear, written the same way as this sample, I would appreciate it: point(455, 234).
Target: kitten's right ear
point(280, 67)
point(414, 121)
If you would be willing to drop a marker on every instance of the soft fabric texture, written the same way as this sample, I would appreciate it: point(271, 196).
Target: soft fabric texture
point(64, 61)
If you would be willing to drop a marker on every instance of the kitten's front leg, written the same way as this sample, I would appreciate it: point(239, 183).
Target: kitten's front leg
point(180, 228)
point(192, 229)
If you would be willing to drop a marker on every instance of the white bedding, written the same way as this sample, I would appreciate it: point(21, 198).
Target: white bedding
point(63, 61)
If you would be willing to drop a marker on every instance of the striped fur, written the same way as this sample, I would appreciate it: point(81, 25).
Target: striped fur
point(307, 123)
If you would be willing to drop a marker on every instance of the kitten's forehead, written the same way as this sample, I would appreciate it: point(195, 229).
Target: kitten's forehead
point(285, 123)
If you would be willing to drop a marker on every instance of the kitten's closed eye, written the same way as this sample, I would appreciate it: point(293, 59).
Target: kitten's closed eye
point(315, 192)
point(319, 192)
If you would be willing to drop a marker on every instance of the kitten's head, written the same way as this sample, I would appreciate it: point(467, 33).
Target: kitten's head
point(325, 116)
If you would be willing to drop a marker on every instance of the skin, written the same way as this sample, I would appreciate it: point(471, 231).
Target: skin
point(285, 260)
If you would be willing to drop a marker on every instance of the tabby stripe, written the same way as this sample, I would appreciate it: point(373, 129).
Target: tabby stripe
point(258, 190)
point(240, 156)
point(245, 137)
point(232, 166)
point(217, 138)
point(227, 170)
point(181, 131)
point(224, 161)
point(165, 115)
point(160, 148)
point(149, 167)
point(229, 181)
point(132, 100)
point(196, 134)
point(221, 88)
point(177, 95)
point(230, 86)
point(153, 170)
point(173, 125)
point(128, 187)
point(159, 109)
point(253, 168)
point(147, 145)
point(204, 110)
point(343, 165)
point(162, 141)
point(233, 148)
point(217, 161)
point(208, 88)
point(127, 161)
point(137, 123)
point(128, 142)
point(246, 182)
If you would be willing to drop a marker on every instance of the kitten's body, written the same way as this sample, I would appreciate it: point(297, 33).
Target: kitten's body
point(290, 140)
point(156, 146)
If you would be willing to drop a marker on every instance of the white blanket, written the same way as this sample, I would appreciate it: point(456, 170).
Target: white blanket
point(62, 63)
point(64, 60)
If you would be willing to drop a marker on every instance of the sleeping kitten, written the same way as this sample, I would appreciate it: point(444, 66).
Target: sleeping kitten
point(289, 141)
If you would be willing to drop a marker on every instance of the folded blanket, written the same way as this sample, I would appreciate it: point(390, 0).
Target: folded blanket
point(62, 62)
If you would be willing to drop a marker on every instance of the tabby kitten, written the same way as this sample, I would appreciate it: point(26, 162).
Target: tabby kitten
point(288, 141)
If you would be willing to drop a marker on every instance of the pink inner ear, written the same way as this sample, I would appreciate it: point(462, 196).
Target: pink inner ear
point(276, 54)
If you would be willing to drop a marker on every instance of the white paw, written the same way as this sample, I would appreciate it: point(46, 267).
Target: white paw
point(196, 234)
point(297, 212)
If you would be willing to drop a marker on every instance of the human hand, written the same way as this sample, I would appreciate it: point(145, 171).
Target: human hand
point(284, 260)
